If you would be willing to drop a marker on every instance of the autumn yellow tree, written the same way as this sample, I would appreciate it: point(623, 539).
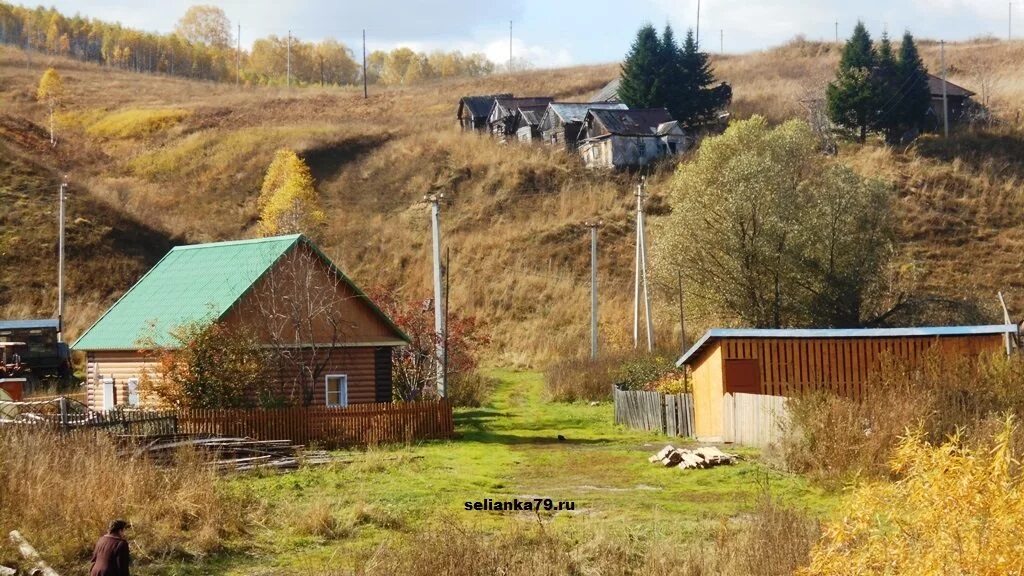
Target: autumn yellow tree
point(51, 92)
point(288, 201)
point(205, 24)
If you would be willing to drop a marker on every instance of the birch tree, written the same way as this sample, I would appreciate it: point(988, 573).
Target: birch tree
point(51, 93)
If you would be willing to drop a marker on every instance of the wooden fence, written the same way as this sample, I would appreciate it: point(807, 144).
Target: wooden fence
point(753, 419)
point(358, 424)
point(670, 414)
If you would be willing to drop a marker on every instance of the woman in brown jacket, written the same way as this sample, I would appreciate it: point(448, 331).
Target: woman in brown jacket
point(110, 557)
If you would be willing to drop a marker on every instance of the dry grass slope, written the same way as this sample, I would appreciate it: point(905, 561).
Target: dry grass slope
point(181, 159)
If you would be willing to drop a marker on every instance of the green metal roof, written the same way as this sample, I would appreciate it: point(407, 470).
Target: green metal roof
point(194, 284)
point(190, 284)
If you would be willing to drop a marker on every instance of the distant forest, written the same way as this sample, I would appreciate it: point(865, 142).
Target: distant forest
point(202, 47)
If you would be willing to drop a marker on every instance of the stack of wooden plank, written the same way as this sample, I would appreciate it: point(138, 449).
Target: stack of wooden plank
point(226, 453)
point(703, 457)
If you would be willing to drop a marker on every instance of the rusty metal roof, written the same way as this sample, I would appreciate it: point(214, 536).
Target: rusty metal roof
point(577, 111)
point(643, 122)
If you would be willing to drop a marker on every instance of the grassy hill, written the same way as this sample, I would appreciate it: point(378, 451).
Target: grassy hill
point(155, 161)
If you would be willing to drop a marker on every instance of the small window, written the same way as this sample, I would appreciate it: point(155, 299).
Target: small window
point(133, 392)
point(336, 390)
point(642, 149)
point(107, 388)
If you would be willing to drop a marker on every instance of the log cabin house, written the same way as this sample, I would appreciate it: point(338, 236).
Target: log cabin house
point(473, 111)
point(236, 283)
point(502, 115)
point(629, 138)
point(560, 125)
point(791, 362)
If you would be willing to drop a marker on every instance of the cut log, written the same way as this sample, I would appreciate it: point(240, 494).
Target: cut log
point(30, 554)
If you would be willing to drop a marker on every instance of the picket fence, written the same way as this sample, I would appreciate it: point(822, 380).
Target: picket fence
point(670, 414)
point(357, 424)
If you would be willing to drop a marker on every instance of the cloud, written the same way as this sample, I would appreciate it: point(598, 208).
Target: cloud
point(496, 50)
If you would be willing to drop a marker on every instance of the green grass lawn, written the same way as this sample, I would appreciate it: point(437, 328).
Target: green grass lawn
point(505, 450)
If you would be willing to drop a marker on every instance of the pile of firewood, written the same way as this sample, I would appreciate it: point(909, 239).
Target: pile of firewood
point(226, 454)
point(705, 457)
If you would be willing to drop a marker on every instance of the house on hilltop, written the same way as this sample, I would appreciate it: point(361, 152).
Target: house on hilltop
point(957, 98)
point(561, 122)
point(629, 138)
point(284, 290)
point(526, 125)
point(502, 116)
point(473, 111)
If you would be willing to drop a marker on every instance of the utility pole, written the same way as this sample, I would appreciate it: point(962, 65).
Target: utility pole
point(289, 80)
point(61, 197)
point(440, 330)
point(698, 24)
point(593, 286)
point(945, 100)
point(509, 46)
point(1009, 23)
point(837, 31)
point(721, 41)
point(364, 63)
point(321, 70)
point(641, 275)
point(238, 57)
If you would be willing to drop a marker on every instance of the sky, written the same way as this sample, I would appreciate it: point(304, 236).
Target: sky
point(551, 33)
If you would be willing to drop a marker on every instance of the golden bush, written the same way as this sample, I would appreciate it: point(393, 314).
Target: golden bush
point(954, 510)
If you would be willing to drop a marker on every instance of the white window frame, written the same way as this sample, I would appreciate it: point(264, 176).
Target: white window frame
point(108, 401)
point(342, 392)
point(133, 392)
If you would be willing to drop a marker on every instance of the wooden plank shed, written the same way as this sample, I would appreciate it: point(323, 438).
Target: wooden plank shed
point(252, 284)
point(790, 362)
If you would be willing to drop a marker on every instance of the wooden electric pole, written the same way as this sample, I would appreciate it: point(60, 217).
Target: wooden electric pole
point(945, 99)
point(593, 286)
point(364, 63)
point(640, 277)
point(61, 198)
point(289, 79)
point(440, 330)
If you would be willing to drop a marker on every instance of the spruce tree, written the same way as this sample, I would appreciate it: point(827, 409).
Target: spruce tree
point(674, 78)
point(916, 95)
point(853, 95)
point(888, 85)
point(701, 102)
point(641, 84)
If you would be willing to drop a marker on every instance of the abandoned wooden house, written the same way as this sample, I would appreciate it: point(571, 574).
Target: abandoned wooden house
point(629, 138)
point(725, 362)
point(473, 111)
point(560, 125)
point(958, 99)
point(526, 124)
point(502, 116)
point(283, 290)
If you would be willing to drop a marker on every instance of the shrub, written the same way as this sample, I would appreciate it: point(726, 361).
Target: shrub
point(954, 511)
point(640, 372)
point(581, 378)
point(471, 390)
point(62, 490)
point(834, 439)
